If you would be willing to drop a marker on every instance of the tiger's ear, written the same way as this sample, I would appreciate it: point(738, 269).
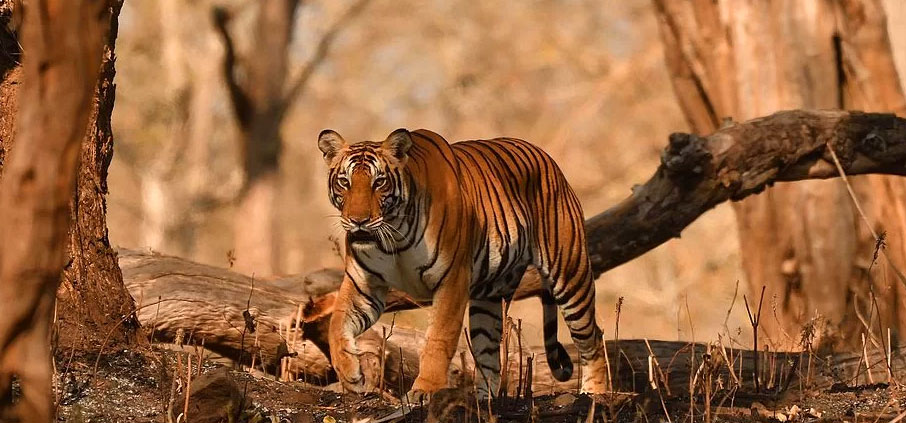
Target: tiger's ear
point(398, 143)
point(330, 144)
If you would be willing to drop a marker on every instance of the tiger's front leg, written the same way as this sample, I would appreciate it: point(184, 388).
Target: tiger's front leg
point(450, 301)
point(358, 306)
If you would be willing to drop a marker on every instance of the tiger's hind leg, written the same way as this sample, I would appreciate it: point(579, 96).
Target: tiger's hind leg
point(566, 271)
point(574, 293)
point(485, 327)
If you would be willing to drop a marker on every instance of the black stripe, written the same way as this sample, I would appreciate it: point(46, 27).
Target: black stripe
point(489, 350)
point(366, 268)
point(442, 152)
point(490, 365)
point(367, 297)
point(491, 336)
point(575, 315)
point(478, 310)
point(436, 253)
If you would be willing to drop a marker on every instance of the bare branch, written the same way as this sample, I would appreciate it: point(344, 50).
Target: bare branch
point(298, 85)
point(698, 173)
point(238, 96)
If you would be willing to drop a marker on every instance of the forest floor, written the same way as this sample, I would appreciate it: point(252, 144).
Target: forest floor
point(131, 386)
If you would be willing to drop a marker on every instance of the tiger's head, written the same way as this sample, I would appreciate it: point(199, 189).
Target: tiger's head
point(366, 184)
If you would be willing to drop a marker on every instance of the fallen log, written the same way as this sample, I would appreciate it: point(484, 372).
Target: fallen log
point(190, 303)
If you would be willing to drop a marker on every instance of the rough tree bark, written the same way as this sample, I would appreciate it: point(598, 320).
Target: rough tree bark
point(695, 175)
point(260, 104)
point(93, 306)
point(10, 78)
point(805, 241)
point(63, 41)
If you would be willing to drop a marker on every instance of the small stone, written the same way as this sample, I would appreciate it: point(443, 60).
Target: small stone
point(303, 417)
point(564, 399)
point(451, 405)
point(213, 397)
point(757, 408)
point(794, 412)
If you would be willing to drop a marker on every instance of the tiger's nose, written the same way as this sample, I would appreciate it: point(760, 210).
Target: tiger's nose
point(359, 221)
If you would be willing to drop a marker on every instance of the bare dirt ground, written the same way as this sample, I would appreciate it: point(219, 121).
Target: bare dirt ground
point(137, 386)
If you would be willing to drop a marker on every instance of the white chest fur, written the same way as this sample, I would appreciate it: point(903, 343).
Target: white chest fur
point(415, 271)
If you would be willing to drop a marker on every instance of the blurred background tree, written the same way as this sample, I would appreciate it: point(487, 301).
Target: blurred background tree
point(260, 102)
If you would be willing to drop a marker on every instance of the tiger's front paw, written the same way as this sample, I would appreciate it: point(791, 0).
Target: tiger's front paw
point(422, 390)
point(416, 397)
point(348, 368)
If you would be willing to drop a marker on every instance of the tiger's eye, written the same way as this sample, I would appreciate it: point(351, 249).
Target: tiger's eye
point(343, 181)
point(380, 181)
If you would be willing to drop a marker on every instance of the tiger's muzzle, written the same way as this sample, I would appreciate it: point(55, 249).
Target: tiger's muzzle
point(361, 230)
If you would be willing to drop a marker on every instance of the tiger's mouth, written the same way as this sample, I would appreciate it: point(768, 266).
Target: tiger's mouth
point(360, 235)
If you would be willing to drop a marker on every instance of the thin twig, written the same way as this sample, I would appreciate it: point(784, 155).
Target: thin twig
point(249, 322)
point(755, 321)
point(519, 342)
point(185, 410)
point(384, 338)
point(154, 323)
point(723, 352)
point(654, 373)
point(607, 363)
point(616, 339)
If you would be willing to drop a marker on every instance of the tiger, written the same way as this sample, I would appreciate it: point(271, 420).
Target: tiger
point(458, 224)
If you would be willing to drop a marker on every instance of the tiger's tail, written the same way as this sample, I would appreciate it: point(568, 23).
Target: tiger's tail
point(557, 357)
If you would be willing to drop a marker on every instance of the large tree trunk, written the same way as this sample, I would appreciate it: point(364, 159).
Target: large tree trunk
point(93, 306)
point(63, 41)
point(872, 83)
point(92, 301)
point(804, 242)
